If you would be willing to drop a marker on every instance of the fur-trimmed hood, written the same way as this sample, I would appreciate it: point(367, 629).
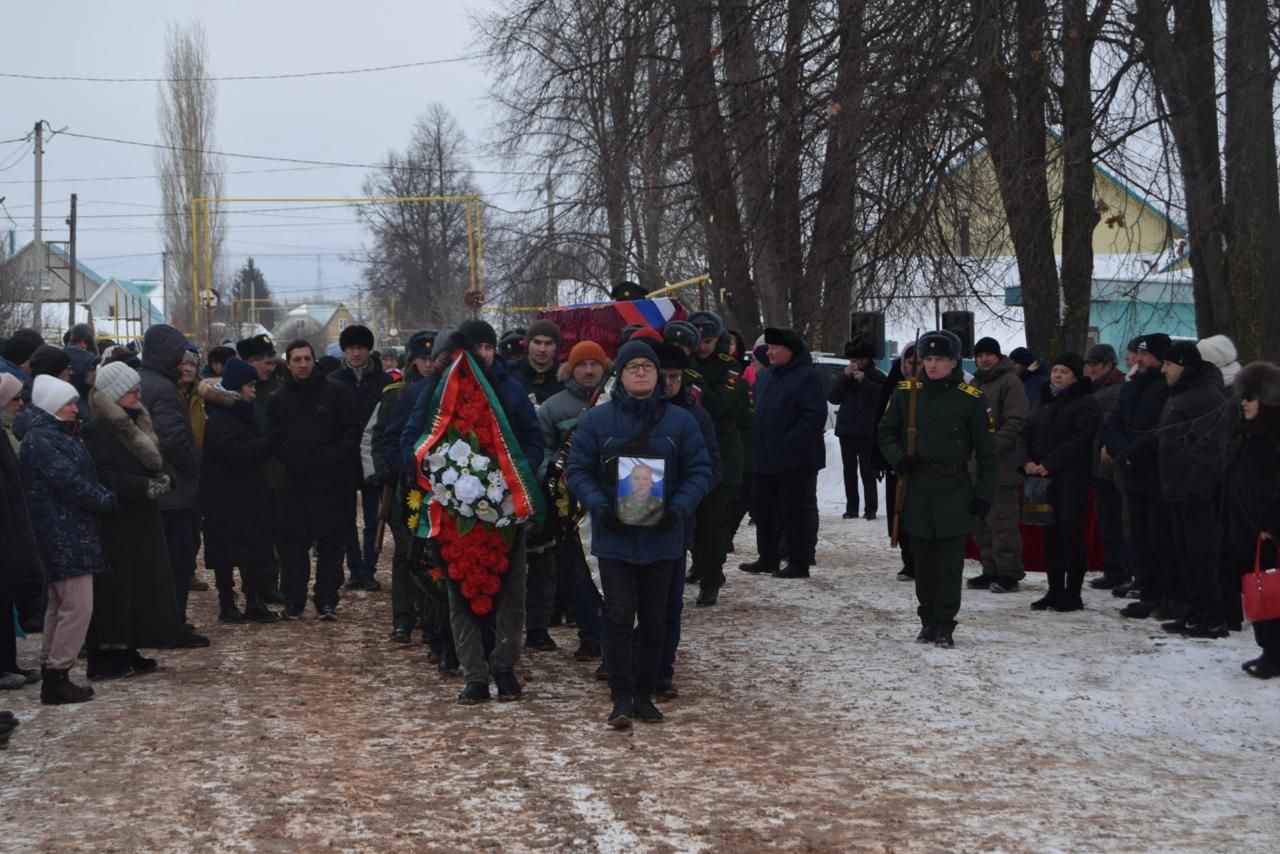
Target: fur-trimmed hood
point(137, 436)
point(212, 393)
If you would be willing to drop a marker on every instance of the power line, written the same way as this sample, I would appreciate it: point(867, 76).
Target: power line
point(238, 77)
point(154, 177)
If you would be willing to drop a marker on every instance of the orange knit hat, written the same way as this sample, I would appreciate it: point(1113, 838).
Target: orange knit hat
point(584, 351)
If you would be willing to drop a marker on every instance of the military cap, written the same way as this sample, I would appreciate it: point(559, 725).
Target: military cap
point(258, 345)
point(628, 291)
point(682, 333)
point(939, 343)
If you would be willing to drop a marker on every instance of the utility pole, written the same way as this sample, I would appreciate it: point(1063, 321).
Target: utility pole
point(71, 279)
point(551, 295)
point(37, 318)
point(164, 280)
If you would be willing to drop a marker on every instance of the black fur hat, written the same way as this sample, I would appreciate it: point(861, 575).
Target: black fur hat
point(1260, 381)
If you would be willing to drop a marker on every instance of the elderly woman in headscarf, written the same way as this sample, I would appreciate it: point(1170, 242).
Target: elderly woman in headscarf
point(134, 605)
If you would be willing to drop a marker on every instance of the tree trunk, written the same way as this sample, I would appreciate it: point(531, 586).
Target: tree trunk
point(805, 303)
point(1079, 213)
point(1252, 211)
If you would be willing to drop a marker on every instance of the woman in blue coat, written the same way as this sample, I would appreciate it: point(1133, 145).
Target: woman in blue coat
point(637, 428)
point(67, 503)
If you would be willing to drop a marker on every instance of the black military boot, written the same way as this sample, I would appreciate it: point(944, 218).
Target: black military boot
point(106, 664)
point(793, 570)
point(646, 711)
point(926, 635)
point(57, 689)
point(623, 711)
point(228, 612)
point(256, 610)
point(758, 567)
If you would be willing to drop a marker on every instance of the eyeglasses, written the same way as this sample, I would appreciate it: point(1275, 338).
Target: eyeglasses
point(640, 368)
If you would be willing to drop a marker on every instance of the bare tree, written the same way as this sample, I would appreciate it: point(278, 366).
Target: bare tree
point(419, 256)
point(188, 170)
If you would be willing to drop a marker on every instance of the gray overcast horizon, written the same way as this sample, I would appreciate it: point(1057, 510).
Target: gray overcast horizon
point(353, 118)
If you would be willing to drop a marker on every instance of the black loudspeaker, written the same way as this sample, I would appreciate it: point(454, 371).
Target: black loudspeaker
point(868, 326)
point(961, 324)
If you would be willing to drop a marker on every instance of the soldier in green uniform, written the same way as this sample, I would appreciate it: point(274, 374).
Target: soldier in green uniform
point(717, 383)
point(952, 426)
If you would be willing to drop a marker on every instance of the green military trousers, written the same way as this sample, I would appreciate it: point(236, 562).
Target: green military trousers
point(939, 565)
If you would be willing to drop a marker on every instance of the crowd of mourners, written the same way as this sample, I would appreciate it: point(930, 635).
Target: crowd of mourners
point(120, 463)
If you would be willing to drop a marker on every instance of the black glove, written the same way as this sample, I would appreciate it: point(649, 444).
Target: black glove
point(979, 508)
point(667, 522)
point(609, 518)
point(907, 464)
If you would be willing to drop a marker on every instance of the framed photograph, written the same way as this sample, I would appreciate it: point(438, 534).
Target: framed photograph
point(640, 499)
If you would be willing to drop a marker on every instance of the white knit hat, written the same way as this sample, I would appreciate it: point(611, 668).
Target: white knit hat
point(116, 379)
point(51, 394)
point(1218, 349)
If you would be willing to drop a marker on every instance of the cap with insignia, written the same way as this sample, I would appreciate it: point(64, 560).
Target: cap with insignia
point(682, 333)
point(940, 343)
point(628, 291)
point(420, 344)
point(708, 324)
point(511, 344)
point(258, 345)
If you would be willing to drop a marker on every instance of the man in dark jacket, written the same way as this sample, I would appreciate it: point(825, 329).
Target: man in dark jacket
point(1131, 440)
point(857, 392)
point(162, 351)
point(720, 389)
point(1033, 374)
point(1193, 437)
point(791, 413)
point(315, 431)
point(1108, 382)
point(538, 369)
point(259, 352)
point(365, 379)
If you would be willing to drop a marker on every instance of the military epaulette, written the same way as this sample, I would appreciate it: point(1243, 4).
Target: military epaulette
point(692, 374)
point(909, 384)
point(972, 391)
point(725, 357)
point(392, 386)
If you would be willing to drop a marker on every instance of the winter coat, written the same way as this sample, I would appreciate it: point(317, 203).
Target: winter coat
point(7, 367)
point(315, 433)
point(67, 502)
point(1249, 494)
point(81, 362)
point(1193, 434)
point(791, 414)
point(1107, 392)
point(366, 387)
point(1032, 382)
point(858, 402)
point(557, 416)
point(886, 392)
point(538, 385)
point(685, 400)
point(19, 553)
point(1060, 434)
point(592, 476)
point(1007, 402)
point(720, 390)
point(134, 604)
point(232, 488)
point(169, 415)
point(1131, 430)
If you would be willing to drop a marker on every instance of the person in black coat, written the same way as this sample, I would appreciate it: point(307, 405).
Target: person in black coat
point(315, 432)
point(1192, 443)
point(1059, 440)
point(235, 477)
point(857, 392)
point(1249, 498)
point(20, 568)
point(903, 368)
point(134, 605)
point(791, 414)
point(365, 379)
point(1130, 437)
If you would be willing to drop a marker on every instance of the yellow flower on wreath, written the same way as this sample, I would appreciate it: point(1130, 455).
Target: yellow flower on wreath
point(414, 499)
point(413, 523)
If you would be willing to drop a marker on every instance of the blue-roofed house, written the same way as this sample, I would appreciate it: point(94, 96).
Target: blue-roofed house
point(123, 309)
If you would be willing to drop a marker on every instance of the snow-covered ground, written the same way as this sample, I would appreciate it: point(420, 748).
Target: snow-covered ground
point(808, 719)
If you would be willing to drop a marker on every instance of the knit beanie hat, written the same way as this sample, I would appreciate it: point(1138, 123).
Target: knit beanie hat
point(192, 356)
point(48, 359)
point(585, 351)
point(1155, 343)
point(10, 386)
point(1218, 349)
point(116, 379)
point(636, 349)
point(1072, 362)
point(356, 336)
point(19, 348)
point(543, 327)
point(478, 332)
point(442, 344)
point(51, 394)
point(987, 345)
point(238, 373)
point(1023, 356)
point(1184, 353)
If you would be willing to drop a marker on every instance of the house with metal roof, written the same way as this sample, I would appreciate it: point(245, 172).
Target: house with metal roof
point(320, 323)
point(123, 309)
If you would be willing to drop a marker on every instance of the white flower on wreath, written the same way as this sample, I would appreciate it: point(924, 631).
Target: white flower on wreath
point(495, 479)
point(480, 463)
point(436, 461)
point(486, 513)
point(449, 477)
point(460, 452)
point(465, 510)
point(508, 505)
point(495, 494)
point(503, 522)
point(468, 489)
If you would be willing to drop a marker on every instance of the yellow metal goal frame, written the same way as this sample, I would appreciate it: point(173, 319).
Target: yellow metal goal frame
point(202, 250)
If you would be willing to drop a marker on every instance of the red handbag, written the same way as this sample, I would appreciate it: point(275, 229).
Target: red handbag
point(1261, 589)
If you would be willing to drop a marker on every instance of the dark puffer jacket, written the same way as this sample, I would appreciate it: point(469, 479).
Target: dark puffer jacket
point(163, 347)
point(19, 553)
point(1132, 428)
point(791, 412)
point(1193, 434)
point(539, 385)
point(234, 479)
point(1059, 436)
point(858, 400)
point(67, 502)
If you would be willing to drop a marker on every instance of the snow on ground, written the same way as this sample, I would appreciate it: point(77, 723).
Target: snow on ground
point(808, 720)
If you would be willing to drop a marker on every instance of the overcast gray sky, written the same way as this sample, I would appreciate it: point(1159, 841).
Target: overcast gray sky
point(353, 118)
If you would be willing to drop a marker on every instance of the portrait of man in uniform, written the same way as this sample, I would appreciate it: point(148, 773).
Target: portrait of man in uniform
point(640, 490)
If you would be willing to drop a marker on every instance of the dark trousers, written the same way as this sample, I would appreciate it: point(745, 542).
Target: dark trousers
point(1064, 557)
point(180, 527)
point(588, 605)
point(540, 591)
point(1195, 540)
point(711, 536)
point(1153, 540)
point(361, 558)
point(741, 505)
point(1108, 506)
point(1267, 634)
point(675, 613)
point(635, 616)
point(786, 504)
point(8, 636)
point(295, 561)
point(407, 605)
point(857, 454)
point(939, 566)
point(904, 544)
